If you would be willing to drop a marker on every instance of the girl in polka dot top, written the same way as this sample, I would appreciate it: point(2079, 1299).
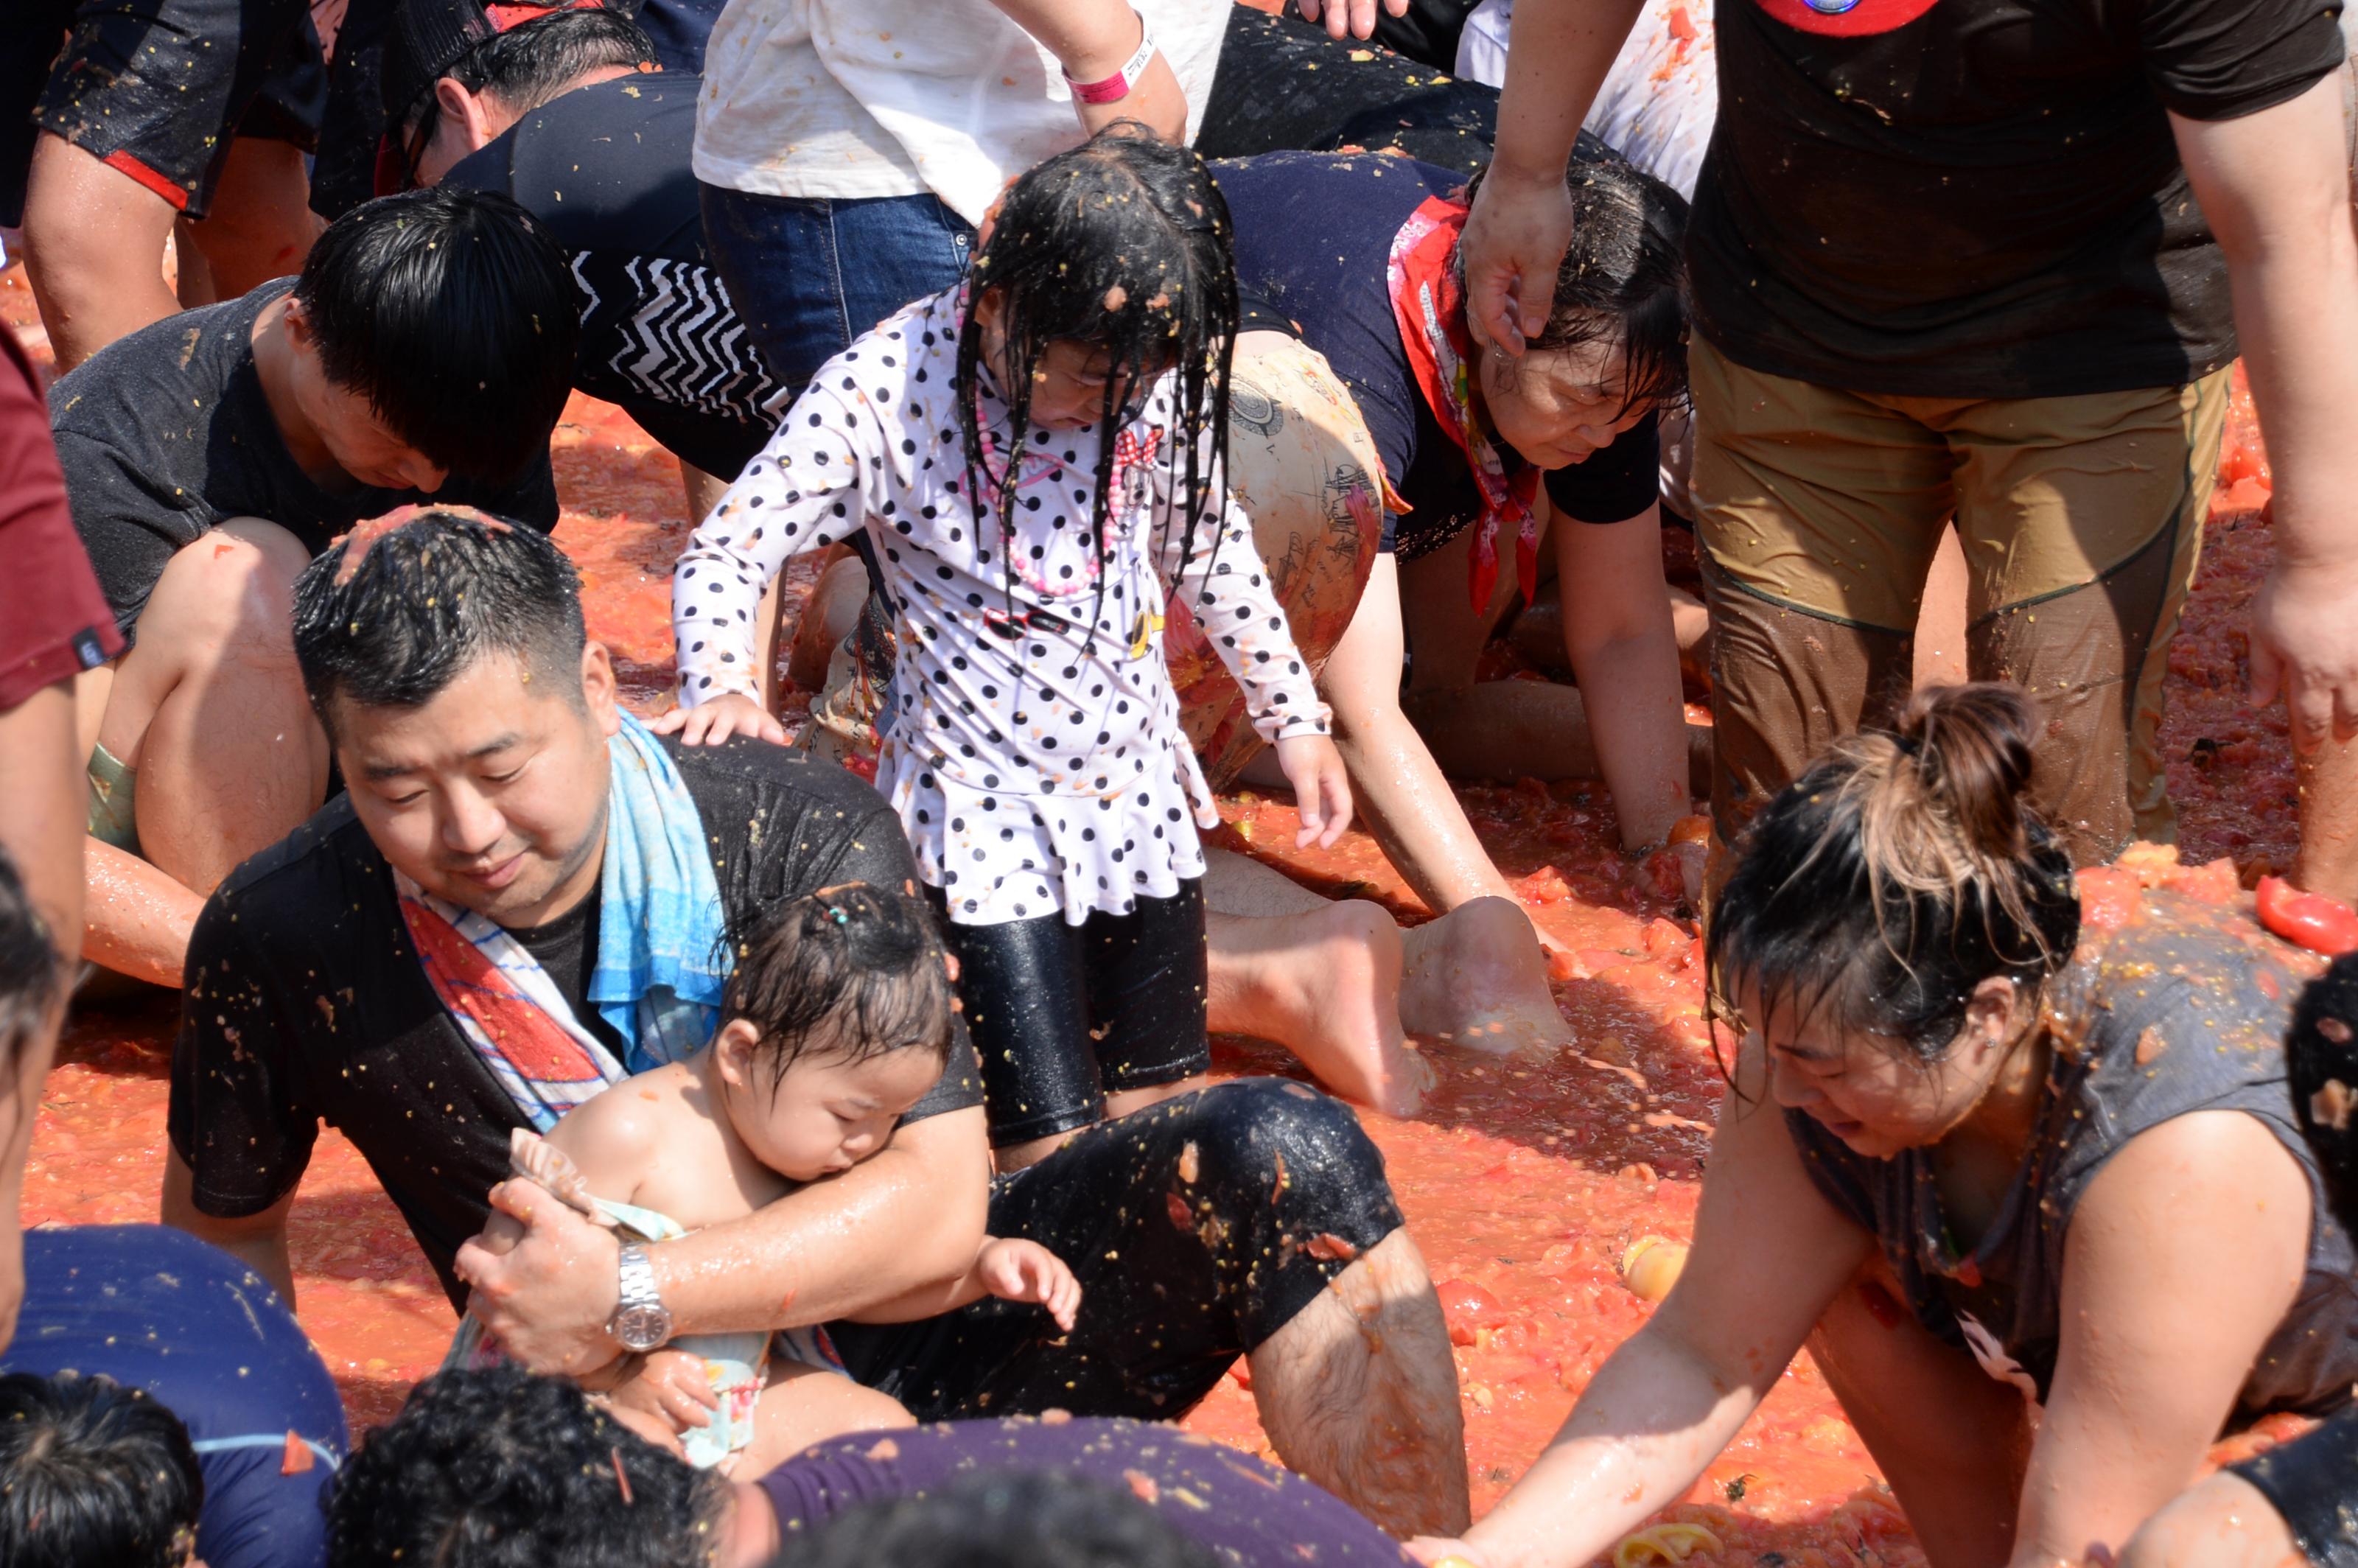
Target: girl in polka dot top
point(1036, 458)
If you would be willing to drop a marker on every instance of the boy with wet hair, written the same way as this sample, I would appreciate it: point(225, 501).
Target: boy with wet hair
point(425, 350)
point(567, 113)
point(93, 1472)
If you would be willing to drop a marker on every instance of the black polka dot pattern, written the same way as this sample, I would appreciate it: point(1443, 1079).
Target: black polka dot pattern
point(1036, 758)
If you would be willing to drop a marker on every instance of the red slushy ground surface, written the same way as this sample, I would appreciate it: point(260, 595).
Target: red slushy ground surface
point(1528, 1179)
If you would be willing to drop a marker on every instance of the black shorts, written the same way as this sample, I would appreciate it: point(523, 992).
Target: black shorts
point(1284, 85)
point(2309, 1482)
point(1198, 1227)
point(156, 88)
point(1065, 1015)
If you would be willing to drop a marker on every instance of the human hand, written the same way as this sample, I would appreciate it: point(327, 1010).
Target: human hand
point(670, 1384)
point(1322, 788)
point(548, 1297)
point(365, 536)
point(1026, 1271)
point(647, 1427)
point(2305, 645)
point(1357, 18)
point(1514, 242)
point(1438, 1551)
point(715, 718)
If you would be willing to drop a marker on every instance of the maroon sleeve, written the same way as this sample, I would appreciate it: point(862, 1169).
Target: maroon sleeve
point(53, 620)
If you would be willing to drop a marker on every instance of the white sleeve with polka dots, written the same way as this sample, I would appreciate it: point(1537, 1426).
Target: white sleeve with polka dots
point(802, 493)
point(1225, 587)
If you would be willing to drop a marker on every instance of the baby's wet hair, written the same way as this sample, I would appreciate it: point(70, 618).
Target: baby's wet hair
point(1123, 243)
point(850, 972)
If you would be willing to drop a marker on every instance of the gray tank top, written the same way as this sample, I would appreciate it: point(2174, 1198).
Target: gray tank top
point(2183, 1009)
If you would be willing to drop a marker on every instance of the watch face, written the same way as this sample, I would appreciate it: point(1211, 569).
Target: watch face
point(641, 1328)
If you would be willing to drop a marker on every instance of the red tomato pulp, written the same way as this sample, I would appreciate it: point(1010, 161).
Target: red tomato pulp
point(1525, 1181)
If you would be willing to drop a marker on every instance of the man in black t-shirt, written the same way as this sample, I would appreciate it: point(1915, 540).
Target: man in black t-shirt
point(423, 350)
point(479, 734)
point(1992, 257)
point(567, 115)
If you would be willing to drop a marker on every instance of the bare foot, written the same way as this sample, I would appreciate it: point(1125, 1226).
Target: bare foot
point(1325, 984)
point(1476, 977)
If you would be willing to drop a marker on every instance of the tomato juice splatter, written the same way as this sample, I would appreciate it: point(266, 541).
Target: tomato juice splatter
point(1526, 1181)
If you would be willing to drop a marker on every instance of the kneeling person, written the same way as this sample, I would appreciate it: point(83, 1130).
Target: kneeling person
point(425, 350)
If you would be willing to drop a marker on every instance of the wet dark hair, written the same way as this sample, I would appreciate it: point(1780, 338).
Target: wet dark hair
point(849, 971)
point(2321, 1064)
point(1903, 869)
point(93, 1472)
point(528, 65)
point(503, 1468)
point(430, 599)
point(1004, 1519)
point(31, 968)
point(452, 313)
point(1121, 245)
point(1623, 280)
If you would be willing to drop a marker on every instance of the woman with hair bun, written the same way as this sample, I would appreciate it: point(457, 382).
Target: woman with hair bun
point(2035, 1197)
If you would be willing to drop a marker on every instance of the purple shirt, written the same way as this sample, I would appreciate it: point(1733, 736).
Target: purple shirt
point(1244, 1509)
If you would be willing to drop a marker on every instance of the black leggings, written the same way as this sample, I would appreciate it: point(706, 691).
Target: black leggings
point(1199, 1226)
point(1065, 1015)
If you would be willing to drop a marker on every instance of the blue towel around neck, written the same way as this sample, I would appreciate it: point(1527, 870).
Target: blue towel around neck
point(664, 957)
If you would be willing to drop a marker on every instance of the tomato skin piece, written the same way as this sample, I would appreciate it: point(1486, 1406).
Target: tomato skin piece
point(1468, 1307)
point(2309, 920)
point(2108, 897)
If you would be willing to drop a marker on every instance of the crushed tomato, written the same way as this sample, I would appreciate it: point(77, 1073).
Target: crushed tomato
point(1526, 1181)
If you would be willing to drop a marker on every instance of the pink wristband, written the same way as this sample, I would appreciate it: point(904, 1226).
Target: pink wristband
point(1116, 88)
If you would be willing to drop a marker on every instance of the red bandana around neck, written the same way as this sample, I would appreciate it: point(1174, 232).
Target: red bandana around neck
point(1428, 304)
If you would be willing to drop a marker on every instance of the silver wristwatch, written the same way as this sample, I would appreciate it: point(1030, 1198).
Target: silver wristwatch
point(640, 1322)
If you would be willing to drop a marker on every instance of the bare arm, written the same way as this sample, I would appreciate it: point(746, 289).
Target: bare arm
point(1769, 1254)
point(258, 1240)
point(2276, 190)
point(2173, 1281)
point(40, 828)
point(1557, 56)
point(1406, 802)
point(1091, 38)
point(1625, 654)
point(908, 1219)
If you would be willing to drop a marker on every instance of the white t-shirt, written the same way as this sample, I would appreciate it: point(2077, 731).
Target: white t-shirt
point(864, 98)
point(1658, 101)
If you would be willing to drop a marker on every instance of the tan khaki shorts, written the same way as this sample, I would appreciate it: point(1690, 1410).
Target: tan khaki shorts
point(1302, 463)
point(1819, 511)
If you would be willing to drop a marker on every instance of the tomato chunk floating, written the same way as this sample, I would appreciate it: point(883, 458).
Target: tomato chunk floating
point(2311, 920)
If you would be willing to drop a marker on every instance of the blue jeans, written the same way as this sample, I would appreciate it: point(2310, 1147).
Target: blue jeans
point(809, 275)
